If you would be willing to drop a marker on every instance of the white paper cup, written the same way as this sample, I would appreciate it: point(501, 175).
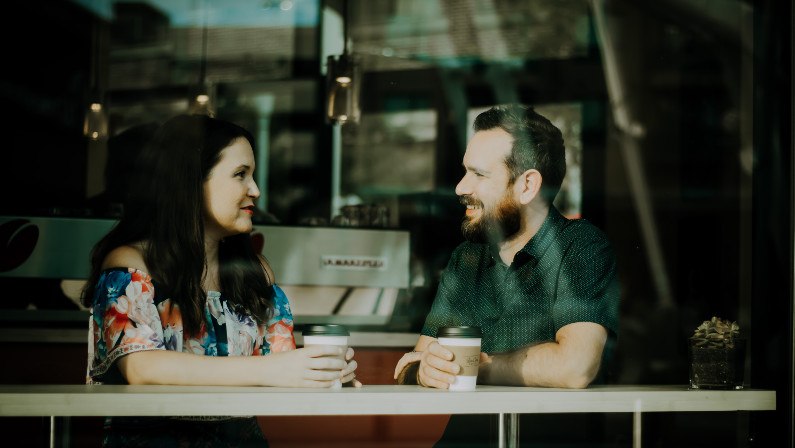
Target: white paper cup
point(328, 334)
point(464, 342)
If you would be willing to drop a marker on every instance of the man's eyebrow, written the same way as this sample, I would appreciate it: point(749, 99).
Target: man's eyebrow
point(475, 169)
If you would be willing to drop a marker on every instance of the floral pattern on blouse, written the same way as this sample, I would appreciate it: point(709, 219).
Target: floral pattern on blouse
point(127, 317)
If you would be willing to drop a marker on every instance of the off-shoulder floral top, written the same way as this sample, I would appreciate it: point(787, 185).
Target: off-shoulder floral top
point(128, 316)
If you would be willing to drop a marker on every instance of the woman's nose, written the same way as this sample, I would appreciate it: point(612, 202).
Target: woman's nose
point(253, 190)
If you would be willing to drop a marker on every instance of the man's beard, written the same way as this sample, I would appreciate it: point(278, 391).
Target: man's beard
point(493, 226)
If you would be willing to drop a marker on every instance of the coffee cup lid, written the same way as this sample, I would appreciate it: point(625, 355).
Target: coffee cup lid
point(325, 330)
point(459, 332)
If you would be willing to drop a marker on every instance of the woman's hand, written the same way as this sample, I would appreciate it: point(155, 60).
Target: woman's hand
point(348, 374)
point(315, 366)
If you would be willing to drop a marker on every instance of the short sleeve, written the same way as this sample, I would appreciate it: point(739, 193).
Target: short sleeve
point(588, 288)
point(124, 319)
point(279, 329)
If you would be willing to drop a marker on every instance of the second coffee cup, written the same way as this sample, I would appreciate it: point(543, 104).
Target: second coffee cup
point(464, 342)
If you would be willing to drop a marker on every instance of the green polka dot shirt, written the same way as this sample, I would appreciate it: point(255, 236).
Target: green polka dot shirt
point(566, 273)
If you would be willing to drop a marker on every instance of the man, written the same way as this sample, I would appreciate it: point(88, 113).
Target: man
point(542, 288)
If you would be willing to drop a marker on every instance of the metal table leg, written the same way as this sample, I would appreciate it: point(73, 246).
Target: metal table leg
point(60, 436)
point(636, 429)
point(508, 430)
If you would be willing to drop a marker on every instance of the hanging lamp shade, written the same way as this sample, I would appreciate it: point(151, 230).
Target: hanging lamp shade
point(201, 100)
point(201, 96)
point(343, 80)
point(95, 121)
point(343, 84)
point(95, 124)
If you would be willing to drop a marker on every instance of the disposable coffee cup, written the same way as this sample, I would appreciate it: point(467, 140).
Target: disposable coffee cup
point(464, 342)
point(327, 334)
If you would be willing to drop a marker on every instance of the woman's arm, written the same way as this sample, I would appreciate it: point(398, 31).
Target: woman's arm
point(305, 367)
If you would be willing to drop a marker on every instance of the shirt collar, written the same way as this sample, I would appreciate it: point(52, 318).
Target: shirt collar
point(538, 244)
point(546, 234)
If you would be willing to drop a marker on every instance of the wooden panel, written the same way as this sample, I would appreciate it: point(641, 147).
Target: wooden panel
point(376, 366)
point(409, 431)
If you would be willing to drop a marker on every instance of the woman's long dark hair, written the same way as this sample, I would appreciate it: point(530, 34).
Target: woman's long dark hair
point(165, 210)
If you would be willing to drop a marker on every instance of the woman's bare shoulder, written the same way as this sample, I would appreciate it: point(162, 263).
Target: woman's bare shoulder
point(128, 256)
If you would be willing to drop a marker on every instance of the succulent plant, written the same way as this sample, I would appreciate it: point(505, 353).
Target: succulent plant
point(716, 333)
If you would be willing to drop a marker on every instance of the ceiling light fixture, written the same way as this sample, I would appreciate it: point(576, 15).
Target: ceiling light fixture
point(95, 122)
point(200, 96)
point(343, 81)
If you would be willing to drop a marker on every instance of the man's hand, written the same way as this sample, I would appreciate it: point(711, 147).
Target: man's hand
point(436, 367)
point(428, 365)
point(403, 369)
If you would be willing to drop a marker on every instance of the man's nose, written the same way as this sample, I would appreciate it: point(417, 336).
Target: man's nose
point(463, 187)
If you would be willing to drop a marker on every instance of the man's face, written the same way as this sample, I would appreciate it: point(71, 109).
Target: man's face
point(492, 213)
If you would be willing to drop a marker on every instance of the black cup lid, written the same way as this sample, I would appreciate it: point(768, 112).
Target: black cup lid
point(459, 332)
point(325, 330)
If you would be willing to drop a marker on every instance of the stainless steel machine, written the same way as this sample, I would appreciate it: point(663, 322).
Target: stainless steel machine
point(350, 276)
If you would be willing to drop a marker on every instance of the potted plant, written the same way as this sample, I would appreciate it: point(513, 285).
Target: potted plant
point(717, 355)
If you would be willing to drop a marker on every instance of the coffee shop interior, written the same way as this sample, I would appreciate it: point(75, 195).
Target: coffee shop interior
point(677, 121)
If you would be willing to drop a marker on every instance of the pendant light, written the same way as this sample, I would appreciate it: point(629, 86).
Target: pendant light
point(343, 81)
point(95, 123)
point(200, 96)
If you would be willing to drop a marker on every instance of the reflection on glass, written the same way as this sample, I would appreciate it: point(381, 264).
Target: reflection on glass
point(95, 125)
point(343, 83)
point(390, 153)
point(201, 105)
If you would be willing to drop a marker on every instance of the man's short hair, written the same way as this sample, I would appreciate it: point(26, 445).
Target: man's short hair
point(537, 144)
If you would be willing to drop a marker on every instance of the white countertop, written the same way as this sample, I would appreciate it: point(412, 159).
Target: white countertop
point(83, 400)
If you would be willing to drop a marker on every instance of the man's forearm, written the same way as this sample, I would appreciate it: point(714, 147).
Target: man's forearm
point(570, 361)
point(503, 369)
point(543, 365)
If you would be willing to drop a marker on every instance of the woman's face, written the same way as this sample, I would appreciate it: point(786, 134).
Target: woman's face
point(230, 192)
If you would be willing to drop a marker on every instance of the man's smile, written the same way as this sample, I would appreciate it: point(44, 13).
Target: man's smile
point(472, 210)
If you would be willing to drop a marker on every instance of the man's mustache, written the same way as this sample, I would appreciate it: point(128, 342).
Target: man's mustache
point(469, 200)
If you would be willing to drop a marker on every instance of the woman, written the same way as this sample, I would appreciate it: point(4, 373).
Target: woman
point(178, 295)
